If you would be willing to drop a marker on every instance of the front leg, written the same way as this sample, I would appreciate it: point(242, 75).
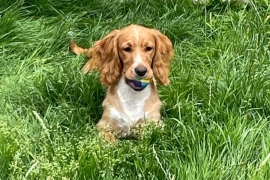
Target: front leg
point(109, 128)
point(138, 128)
point(152, 108)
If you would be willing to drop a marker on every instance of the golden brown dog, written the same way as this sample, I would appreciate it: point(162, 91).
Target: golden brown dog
point(129, 61)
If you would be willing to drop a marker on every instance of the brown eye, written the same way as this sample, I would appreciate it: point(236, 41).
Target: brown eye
point(148, 48)
point(127, 49)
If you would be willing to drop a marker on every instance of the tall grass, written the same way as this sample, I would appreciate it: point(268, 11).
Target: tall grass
point(216, 109)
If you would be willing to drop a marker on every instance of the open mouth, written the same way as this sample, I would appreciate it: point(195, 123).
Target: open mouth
point(138, 84)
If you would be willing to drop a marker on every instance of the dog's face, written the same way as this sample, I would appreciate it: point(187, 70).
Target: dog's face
point(136, 49)
point(135, 52)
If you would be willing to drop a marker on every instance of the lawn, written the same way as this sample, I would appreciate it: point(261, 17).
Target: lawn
point(216, 110)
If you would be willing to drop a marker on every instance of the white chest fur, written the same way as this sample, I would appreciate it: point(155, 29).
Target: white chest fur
point(132, 105)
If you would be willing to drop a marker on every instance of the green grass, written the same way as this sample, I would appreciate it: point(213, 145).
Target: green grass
point(216, 110)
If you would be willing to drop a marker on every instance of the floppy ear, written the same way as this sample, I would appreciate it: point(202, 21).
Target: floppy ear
point(162, 59)
point(105, 58)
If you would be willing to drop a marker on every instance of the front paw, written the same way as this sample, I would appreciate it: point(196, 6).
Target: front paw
point(108, 136)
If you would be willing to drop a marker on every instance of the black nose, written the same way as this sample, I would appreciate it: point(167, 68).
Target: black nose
point(140, 70)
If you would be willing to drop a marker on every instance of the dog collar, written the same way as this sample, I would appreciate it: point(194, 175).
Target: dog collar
point(138, 84)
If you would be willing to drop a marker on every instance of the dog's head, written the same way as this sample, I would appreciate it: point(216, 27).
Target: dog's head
point(134, 52)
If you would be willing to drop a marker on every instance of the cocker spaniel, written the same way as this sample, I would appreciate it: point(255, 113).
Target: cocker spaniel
point(130, 61)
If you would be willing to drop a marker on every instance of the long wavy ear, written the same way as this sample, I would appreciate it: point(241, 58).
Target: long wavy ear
point(105, 57)
point(162, 59)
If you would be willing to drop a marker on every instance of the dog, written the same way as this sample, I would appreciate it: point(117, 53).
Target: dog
point(130, 61)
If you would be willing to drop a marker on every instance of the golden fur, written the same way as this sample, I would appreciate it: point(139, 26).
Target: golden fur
point(115, 57)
